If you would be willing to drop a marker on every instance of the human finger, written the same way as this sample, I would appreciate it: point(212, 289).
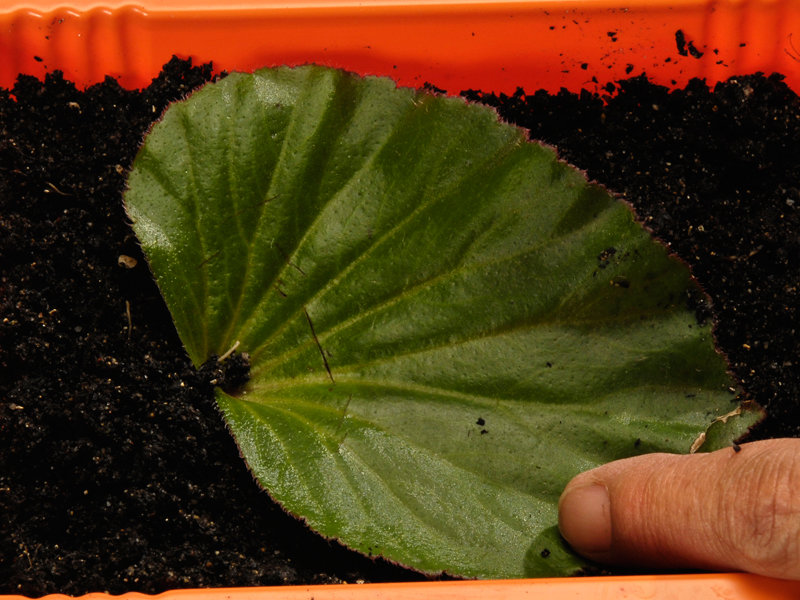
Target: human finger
point(725, 510)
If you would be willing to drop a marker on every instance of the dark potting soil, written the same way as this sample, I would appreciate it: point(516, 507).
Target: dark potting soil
point(116, 471)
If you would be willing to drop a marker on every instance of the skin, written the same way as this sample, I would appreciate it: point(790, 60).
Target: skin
point(721, 511)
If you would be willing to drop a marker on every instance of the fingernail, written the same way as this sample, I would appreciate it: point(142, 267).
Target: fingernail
point(584, 518)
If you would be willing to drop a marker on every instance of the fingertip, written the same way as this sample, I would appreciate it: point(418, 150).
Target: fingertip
point(584, 517)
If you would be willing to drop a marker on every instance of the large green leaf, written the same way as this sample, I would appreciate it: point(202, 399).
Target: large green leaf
point(445, 323)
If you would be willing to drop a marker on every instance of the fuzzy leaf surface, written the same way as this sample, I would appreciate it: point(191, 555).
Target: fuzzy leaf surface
point(445, 323)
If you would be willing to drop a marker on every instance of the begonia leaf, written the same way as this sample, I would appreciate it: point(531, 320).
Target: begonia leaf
point(445, 323)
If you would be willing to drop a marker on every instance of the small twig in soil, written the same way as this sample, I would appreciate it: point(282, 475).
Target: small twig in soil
point(229, 352)
point(28, 554)
point(130, 322)
point(56, 190)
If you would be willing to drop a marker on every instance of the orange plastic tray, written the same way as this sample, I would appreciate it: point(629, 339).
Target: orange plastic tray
point(672, 587)
point(454, 45)
point(493, 46)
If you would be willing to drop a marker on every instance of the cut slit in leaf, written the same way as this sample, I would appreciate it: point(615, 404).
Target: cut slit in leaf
point(401, 267)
